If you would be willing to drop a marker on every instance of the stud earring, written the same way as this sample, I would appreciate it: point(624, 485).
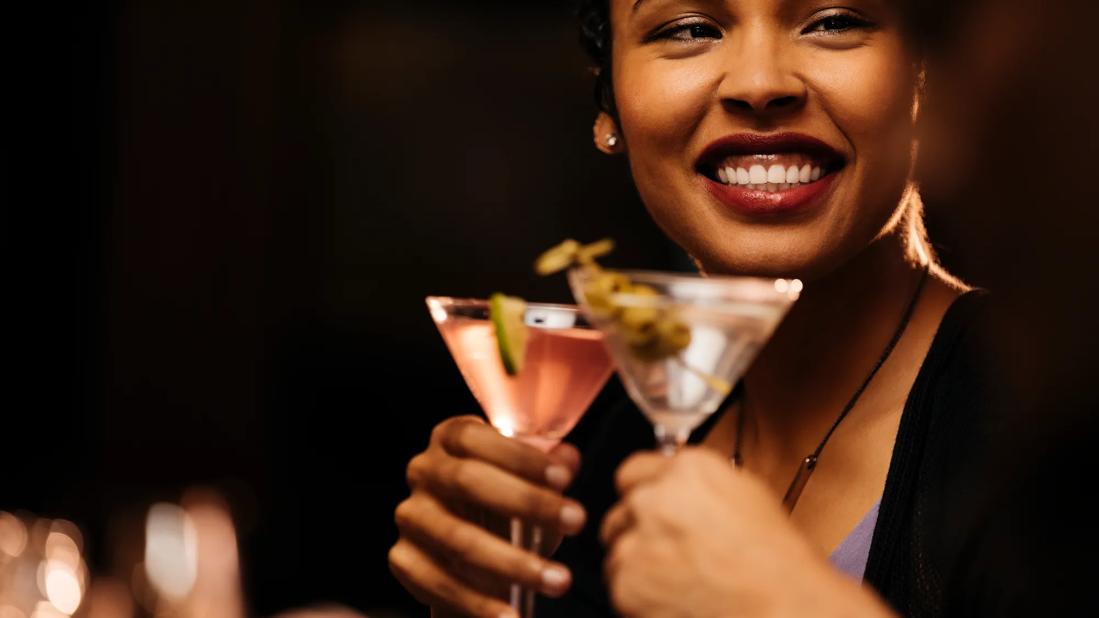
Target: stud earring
point(612, 140)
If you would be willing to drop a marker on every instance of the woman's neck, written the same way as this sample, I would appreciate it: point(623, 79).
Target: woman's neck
point(829, 342)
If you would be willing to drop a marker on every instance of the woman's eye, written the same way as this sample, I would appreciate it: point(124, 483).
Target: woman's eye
point(689, 32)
point(836, 24)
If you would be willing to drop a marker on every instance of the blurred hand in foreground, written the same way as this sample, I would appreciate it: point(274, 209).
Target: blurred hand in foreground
point(692, 535)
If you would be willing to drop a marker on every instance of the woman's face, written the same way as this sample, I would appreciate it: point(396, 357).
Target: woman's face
point(767, 137)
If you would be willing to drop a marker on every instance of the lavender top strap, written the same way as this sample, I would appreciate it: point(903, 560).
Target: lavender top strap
point(852, 554)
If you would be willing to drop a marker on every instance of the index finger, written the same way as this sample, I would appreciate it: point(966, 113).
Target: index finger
point(472, 440)
point(640, 468)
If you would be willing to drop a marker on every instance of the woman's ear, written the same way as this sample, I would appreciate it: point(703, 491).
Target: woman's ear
point(606, 135)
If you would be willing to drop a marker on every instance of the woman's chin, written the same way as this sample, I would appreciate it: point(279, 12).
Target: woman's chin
point(794, 263)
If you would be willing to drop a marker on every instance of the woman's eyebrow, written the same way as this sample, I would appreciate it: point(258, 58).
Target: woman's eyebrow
point(637, 3)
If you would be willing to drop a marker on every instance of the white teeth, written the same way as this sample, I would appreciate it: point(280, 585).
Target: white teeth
point(773, 178)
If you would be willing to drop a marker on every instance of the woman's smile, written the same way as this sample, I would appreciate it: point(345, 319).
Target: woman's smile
point(769, 175)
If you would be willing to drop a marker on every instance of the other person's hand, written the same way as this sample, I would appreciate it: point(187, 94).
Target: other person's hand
point(693, 536)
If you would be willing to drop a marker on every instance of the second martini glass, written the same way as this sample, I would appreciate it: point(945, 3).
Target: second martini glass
point(564, 367)
point(718, 325)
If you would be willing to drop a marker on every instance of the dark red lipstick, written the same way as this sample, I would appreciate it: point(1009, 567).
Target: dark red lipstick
point(754, 150)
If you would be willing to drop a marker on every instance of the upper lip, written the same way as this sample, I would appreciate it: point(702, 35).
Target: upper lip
point(767, 143)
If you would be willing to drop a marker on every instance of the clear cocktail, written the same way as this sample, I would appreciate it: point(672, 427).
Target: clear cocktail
point(680, 342)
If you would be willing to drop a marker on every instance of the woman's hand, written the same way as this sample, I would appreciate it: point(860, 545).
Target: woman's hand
point(694, 536)
point(451, 563)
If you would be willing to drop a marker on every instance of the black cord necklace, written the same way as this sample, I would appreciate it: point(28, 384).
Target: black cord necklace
point(793, 492)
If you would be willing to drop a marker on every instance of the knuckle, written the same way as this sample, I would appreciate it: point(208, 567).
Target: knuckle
point(443, 430)
point(440, 431)
point(398, 559)
point(619, 479)
point(458, 439)
point(404, 514)
point(415, 471)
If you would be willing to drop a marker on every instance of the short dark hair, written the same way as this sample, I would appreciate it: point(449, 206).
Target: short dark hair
point(595, 35)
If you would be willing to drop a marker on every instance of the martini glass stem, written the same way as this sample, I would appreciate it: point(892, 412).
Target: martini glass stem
point(669, 440)
point(529, 538)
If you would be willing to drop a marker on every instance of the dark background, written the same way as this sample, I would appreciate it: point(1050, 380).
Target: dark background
point(221, 219)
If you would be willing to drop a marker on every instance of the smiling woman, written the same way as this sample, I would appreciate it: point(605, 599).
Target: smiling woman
point(770, 138)
point(758, 89)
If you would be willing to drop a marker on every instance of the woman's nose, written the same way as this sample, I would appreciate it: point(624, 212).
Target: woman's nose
point(759, 79)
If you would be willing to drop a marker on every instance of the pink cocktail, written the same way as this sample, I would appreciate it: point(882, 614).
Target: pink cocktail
point(564, 367)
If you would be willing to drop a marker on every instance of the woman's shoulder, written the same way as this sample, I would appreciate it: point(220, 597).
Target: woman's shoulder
point(944, 432)
point(958, 352)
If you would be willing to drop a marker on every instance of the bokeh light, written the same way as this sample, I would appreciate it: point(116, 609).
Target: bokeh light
point(171, 552)
point(63, 587)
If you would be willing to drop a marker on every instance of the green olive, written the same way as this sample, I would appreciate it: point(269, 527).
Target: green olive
point(558, 258)
point(586, 255)
point(600, 288)
point(673, 336)
point(639, 318)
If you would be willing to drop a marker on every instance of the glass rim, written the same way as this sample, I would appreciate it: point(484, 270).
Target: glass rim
point(670, 276)
point(439, 306)
point(766, 286)
point(483, 302)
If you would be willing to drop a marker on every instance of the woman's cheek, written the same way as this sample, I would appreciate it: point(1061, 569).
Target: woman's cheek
point(662, 102)
point(661, 107)
point(868, 93)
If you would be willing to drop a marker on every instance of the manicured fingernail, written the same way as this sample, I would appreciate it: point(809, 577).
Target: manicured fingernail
point(558, 476)
point(572, 517)
point(508, 613)
point(554, 579)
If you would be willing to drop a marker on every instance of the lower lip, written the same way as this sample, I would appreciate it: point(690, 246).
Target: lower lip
point(766, 203)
